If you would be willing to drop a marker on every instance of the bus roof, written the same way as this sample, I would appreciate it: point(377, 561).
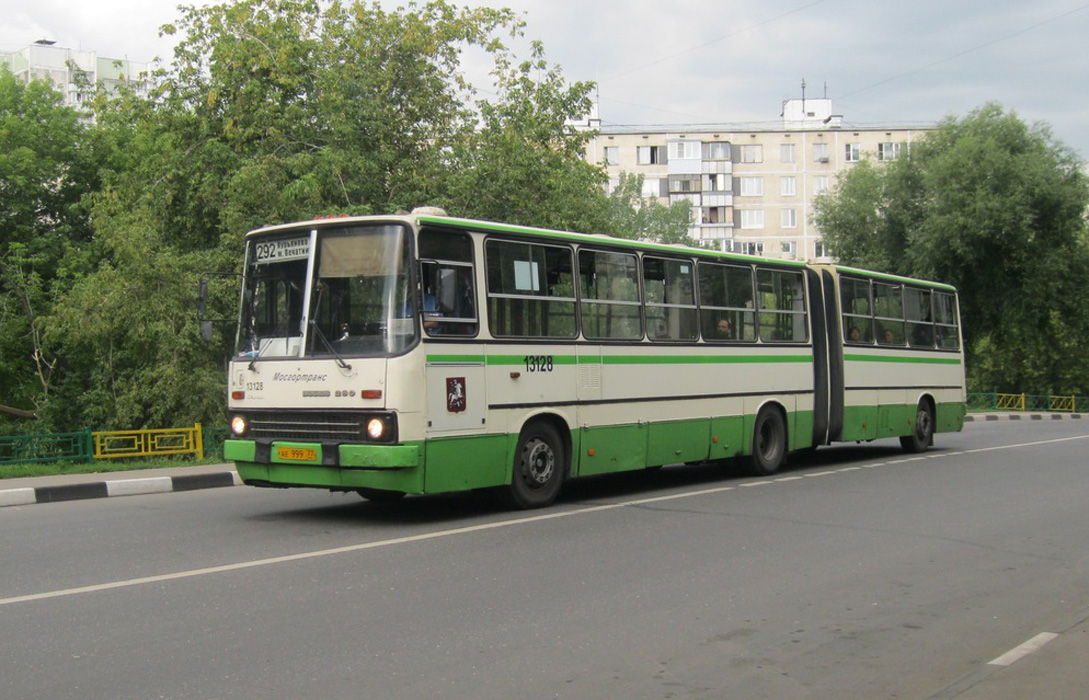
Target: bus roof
point(587, 238)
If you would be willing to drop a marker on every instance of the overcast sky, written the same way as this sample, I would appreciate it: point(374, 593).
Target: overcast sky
point(882, 62)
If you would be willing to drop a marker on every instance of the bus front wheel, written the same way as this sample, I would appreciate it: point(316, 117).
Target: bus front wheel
point(539, 467)
point(922, 434)
point(769, 441)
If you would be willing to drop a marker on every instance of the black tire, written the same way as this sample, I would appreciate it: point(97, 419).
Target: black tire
point(540, 465)
point(380, 496)
point(922, 433)
point(769, 442)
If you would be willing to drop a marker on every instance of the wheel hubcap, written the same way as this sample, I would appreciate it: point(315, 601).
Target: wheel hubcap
point(539, 463)
point(922, 424)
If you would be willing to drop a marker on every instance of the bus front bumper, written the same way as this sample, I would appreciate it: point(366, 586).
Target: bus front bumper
point(337, 467)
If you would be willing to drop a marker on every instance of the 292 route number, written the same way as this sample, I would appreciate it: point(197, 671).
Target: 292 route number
point(538, 363)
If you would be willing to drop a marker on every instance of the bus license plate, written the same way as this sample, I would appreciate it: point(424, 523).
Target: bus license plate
point(297, 454)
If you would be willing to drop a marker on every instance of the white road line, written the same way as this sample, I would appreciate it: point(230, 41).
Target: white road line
point(1018, 653)
point(271, 561)
point(351, 548)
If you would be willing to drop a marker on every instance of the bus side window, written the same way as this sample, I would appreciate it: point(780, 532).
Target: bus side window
point(446, 279)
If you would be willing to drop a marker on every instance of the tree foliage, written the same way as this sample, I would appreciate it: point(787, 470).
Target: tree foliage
point(48, 162)
point(270, 111)
point(631, 215)
point(997, 208)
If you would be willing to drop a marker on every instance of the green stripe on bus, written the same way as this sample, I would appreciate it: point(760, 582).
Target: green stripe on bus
point(510, 360)
point(521, 359)
point(894, 358)
point(460, 359)
point(701, 359)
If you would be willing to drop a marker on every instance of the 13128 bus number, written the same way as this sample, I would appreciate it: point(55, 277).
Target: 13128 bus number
point(538, 363)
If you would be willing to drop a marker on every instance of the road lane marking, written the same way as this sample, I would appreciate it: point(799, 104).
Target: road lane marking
point(270, 561)
point(287, 558)
point(1019, 652)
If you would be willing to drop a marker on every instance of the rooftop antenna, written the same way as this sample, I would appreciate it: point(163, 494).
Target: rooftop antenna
point(803, 95)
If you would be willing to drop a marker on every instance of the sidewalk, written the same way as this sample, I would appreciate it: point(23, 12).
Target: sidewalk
point(1025, 415)
point(72, 487)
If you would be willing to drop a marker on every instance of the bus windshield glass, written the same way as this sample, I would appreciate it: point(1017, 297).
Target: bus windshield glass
point(359, 303)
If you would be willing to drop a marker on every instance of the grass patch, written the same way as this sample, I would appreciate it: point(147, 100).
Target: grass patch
point(17, 471)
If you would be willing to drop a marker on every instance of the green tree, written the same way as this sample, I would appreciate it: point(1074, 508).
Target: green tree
point(631, 215)
point(524, 163)
point(997, 208)
point(47, 164)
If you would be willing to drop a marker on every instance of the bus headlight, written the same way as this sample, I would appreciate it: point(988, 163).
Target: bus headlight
point(238, 425)
point(376, 428)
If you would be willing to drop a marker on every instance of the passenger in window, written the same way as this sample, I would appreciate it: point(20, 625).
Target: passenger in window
point(724, 328)
point(889, 339)
point(854, 335)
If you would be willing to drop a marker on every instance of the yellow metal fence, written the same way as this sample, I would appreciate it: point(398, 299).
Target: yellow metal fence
point(114, 444)
point(993, 401)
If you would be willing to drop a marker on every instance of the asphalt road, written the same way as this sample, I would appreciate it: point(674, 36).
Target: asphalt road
point(859, 573)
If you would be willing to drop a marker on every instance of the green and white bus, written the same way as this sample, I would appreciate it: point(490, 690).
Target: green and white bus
point(422, 354)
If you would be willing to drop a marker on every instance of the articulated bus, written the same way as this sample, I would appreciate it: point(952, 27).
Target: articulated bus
point(422, 354)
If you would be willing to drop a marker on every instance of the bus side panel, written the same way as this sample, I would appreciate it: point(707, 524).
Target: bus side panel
point(801, 431)
point(950, 417)
point(670, 442)
point(462, 463)
point(728, 437)
point(614, 448)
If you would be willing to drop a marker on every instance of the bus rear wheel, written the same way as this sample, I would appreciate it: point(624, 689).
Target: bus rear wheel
point(540, 465)
point(769, 441)
point(922, 434)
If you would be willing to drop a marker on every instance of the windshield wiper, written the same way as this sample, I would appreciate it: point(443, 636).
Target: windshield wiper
point(329, 346)
point(320, 286)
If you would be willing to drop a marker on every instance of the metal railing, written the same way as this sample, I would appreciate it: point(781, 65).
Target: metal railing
point(114, 444)
point(54, 447)
point(995, 401)
point(88, 445)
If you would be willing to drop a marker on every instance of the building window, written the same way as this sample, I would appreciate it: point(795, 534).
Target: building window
point(684, 149)
point(717, 182)
point(684, 183)
point(751, 186)
point(853, 152)
point(651, 155)
point(789, 218)
point(789, 248)
point(652, 187)
point(612, 155)
point(820, 153)
point(820, 184)
point(716, 151)
point(750, 248)
point(888, 151)
point(715, 215)
point(786, 153)
point(788, 186)
point(752, 153)
point(819, 250)
point(752, 218)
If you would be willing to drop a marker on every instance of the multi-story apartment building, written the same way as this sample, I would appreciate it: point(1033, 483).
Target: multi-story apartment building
point(77, 74)
point(751, 190)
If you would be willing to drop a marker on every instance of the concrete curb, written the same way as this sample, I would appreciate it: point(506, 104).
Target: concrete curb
point(980, 417)
point(116, 487)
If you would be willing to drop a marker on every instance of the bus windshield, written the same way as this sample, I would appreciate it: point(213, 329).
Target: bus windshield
point(359, 300)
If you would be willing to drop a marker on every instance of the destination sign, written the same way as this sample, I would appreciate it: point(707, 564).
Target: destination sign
point(281, 250)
